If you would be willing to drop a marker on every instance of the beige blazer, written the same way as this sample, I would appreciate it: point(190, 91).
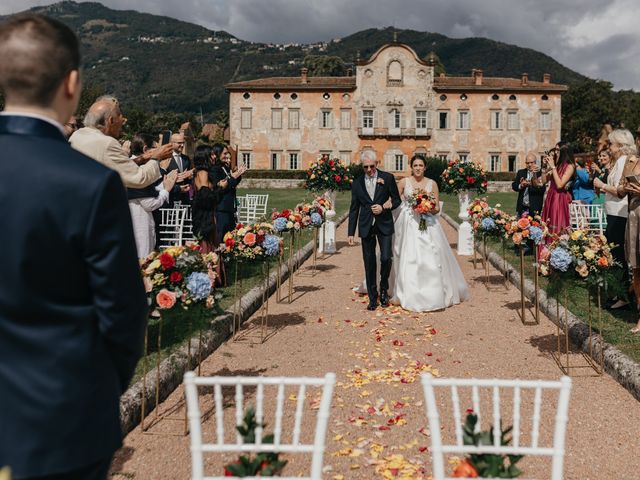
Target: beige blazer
point(108, 151)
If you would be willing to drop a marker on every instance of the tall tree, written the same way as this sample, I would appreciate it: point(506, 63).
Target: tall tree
point(325, 66)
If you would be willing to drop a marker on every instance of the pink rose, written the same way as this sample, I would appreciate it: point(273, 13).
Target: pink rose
point(250, 239)
point(517, 238)
point(544, 254)
point(165, 299)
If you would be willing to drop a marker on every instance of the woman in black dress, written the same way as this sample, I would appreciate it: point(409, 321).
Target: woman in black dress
point(227, 180)
point(205, 200)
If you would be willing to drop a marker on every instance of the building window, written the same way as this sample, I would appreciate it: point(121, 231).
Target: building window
point(496, 119)
point(293, 161)
point(464, 157)
point(513, 122)
point(326, 120)
point(513, 162)
point(421, 119)
point(246, 95)
point(512, 97)
point(276, 118)
point(326, 96)
point(443, 156)
point(326, 153)
point(494, 162)
point(463, 120)
point(545, 120)
point(294, 118)
point(275, 160)
point(443, 120)
point(394, 74)
point(443, 97)
point(398, 162)
point(276, 96)
point(245, 118)
point(345, 157)
point(367, 119)
point(396, 118)
point(246, 159)
point(294, 96)
point(495, 96)
point(345, 118)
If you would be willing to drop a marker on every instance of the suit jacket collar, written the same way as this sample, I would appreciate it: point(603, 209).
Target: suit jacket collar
point(31, 126)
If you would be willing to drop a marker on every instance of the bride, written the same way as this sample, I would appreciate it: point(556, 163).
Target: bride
point(425, 275)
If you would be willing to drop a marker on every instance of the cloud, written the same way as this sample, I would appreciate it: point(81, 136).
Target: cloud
point(598, 38)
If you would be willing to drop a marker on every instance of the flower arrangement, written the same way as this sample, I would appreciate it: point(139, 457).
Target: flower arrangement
point(323, 202)
point(264, 464)
point(467, 175)
point(526, 228)
point(286, 221)
point(587, 256)
point(486, 465)
point(312, 215)
point(180, 275)
point(252, 242)
point(326, 174)
point(487, 220)
point(423, 204)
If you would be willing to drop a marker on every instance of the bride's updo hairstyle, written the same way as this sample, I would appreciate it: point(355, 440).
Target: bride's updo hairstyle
point(417, 156)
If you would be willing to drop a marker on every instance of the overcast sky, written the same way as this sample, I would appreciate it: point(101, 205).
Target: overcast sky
point(598, 38)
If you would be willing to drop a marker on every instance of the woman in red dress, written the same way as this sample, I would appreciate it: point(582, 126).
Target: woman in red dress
point(560, 169)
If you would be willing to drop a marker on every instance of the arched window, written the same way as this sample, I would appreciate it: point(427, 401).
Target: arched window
point(394, 73)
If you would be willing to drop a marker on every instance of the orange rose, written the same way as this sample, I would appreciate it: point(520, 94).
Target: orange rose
point(523, 223)
point(165, 299)
point(525, 233)
point(517, 238)
point(465, 470)
point(603, 262)
point(250, 239)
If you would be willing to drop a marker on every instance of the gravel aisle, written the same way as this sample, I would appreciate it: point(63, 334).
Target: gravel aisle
point(378, 424)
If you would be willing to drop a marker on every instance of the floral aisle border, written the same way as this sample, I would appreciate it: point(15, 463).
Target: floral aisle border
point(618, 365)
point(174, 366)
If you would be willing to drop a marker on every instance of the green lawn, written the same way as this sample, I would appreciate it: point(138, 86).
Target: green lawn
point(616, 324)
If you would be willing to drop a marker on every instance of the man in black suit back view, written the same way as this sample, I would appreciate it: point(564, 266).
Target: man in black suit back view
point(72, 304)
point(369, 193)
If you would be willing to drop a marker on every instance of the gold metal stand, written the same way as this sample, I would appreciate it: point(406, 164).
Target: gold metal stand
point(264, 316)
point(290, 264)
point(566, 366)
point(474, 252)
point(485, 260)
point(278, 279)
point(536, 285)
point(237, 305)
point(313, 270)
point(505, 266)
point(522, 298)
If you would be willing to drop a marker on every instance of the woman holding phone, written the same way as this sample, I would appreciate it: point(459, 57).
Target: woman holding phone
point(558, 170)
point(621, 146)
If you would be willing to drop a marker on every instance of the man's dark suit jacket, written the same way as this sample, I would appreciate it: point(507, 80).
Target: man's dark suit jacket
point(72, 304)
point(536, 195)
point(360, 210)
point(176, 194)
point(227, 201)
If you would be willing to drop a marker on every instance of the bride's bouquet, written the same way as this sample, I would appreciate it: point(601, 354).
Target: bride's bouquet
point(423, 204)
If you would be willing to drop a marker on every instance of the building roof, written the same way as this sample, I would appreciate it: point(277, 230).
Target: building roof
point(493, 84)
point(295, 83)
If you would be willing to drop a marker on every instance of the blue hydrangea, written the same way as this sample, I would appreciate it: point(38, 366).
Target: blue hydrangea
point(271, 245)
point(535, 234)
point(560, 259)
point(316, 219)
point(488, 224)
point(280, 224)
point(199, 285)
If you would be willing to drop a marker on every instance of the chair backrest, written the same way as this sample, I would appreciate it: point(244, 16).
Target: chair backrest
point(171, 226)
point(187, 226)
point(247, 209)
point(489, 391)
point(284, 442)
point(260, 201)
point(587, 217)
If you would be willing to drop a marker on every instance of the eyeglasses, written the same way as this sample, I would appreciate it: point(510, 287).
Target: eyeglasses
point(368, 167)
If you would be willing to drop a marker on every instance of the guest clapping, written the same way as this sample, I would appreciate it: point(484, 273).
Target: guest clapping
point(582, 186)
point(226, 211)
point(558, 171)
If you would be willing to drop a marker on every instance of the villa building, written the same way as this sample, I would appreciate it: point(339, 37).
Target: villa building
point(395, 105)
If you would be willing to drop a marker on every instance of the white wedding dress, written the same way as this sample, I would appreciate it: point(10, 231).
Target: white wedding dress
point(425, 274)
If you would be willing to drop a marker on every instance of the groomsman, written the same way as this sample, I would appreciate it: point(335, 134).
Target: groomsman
point(72, 304)
point(369, 193)
point(182, 164)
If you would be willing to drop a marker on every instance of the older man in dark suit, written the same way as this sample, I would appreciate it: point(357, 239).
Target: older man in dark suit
point(369, 193)
point(72, 304)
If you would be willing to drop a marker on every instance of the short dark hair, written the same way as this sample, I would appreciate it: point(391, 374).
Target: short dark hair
point(141, 140)
point(36, 53)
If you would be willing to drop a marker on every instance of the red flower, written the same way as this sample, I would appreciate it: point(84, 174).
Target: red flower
point(230, 242)
point(286, 213)
point(175, 277)
point(166, 260)
point(470, 180)
point(331, 163)
point(337, 178)
point(239, 226)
